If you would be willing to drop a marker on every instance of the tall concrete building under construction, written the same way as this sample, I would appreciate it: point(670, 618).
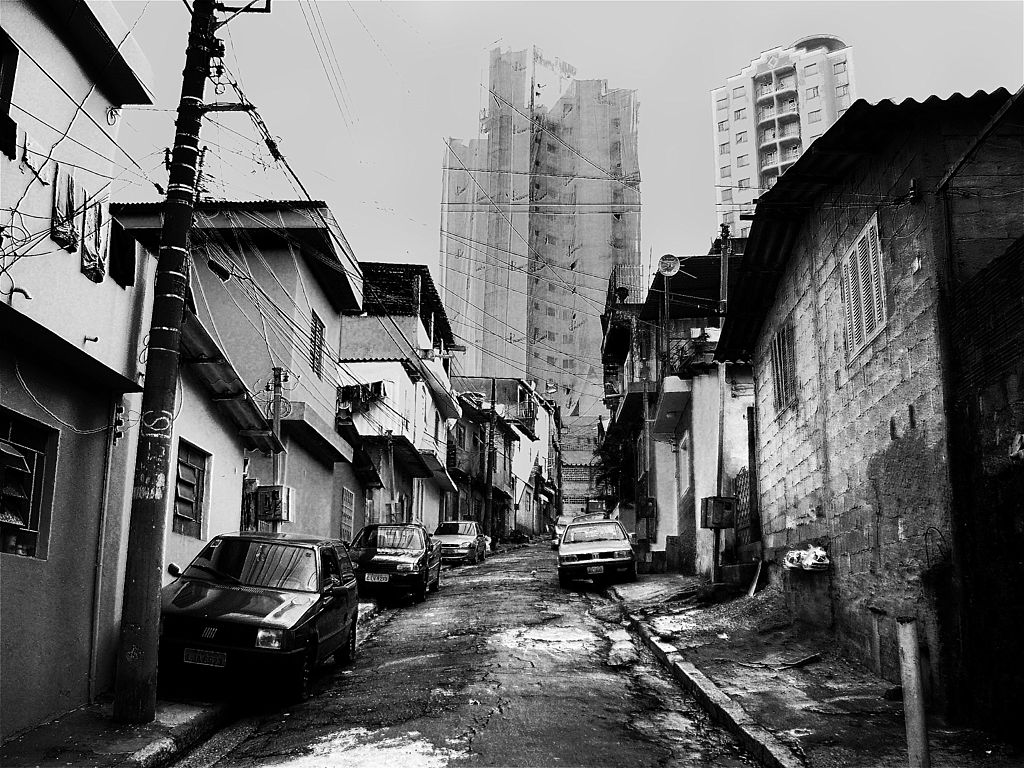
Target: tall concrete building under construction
point(766, 116)
point(536, 211)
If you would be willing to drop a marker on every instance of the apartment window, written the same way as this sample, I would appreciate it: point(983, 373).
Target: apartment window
point(551, 360)
point(768, 135)
point(783, 367)
point(316, 344)
point(568, 363)
point(863, 288)
point(725, 171)
point(121, 255)
point(839, 67)
point(812, 92)
point(741, 137)
point(348, 514)
point(814, 117)
point(727, 218)
point(550, 311)
point(739, 92)
point(743, 183)
point(842, 90)
point(190, 491)
point(8, 65)
point(26, 484)
point(722, 103)
point(739, 114)
point(568, 338)
point(770, 158)
point(536, 305)
point(723, 149)
point(551, 335)
point(743, 160)
point(810, 69)
point(723, 125)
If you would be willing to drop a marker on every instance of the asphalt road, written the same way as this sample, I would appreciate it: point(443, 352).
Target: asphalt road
point(499, 668)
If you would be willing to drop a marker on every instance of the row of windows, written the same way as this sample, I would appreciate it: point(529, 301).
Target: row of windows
point(739, 91)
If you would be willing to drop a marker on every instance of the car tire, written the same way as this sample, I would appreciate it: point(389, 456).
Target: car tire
point(347, 653)
point(300, 679)
point(420, 594)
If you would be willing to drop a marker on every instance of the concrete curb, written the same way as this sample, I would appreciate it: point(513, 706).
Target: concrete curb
point(755, 738)
point(180, 739)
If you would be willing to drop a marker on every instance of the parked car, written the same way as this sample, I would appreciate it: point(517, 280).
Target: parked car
point(397, 557)
point(461, 540)
point(560, 523)
point(261, 604)
point(595, 549)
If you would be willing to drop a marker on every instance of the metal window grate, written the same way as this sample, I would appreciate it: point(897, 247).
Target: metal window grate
point(783, 366)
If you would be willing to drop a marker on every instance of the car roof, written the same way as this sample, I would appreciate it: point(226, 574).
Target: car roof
point(578, 522)
point(283, 538)
point(395, 525)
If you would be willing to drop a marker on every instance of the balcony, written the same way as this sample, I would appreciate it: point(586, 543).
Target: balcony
point(465, 463)
point(767, 139)
point(765, 116)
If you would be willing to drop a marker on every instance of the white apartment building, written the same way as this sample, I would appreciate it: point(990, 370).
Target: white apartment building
point(766, 116)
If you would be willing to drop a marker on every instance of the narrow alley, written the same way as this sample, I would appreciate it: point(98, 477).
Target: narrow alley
point(500, 667)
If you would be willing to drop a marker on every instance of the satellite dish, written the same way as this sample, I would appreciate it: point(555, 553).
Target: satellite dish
point(668, 265)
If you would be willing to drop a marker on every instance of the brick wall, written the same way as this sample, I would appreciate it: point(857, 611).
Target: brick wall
point(859, 462)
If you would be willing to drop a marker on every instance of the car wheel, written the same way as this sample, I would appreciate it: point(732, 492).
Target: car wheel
point(301, 678)
point(421, 591)
point(347, 653)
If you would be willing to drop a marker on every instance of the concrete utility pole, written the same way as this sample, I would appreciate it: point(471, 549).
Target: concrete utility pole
point(276, 457)
point(135, 687)
point(489, 458)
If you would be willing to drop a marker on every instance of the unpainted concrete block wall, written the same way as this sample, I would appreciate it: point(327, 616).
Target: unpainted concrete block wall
point(860, 460)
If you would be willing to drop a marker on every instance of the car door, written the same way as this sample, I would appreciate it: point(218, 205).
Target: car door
point(350, 586)
point(333, 613)
point(480, 542)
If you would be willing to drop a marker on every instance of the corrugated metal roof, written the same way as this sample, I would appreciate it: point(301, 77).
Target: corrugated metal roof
point(780, 211)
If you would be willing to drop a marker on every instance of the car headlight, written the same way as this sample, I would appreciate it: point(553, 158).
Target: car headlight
point(567, 558)
point(622, 553)
point(466, 545)
point(270, 638)
point(406, 567)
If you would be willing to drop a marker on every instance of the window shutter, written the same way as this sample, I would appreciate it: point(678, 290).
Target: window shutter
point(848, 306)
point(867, 292)
point(876, 271)
point(856, 301)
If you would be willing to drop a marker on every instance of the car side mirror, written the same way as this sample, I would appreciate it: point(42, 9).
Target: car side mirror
point(174, 570)
point(632, 538)
point(332, 584)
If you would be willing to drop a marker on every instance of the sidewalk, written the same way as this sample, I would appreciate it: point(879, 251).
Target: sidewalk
point(89, 737)
point(787, 694)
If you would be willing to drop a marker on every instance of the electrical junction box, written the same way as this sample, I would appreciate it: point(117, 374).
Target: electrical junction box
point(274, 502)
point(718, 512)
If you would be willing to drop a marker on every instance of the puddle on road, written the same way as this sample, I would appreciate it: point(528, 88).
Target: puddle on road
point(362, 748)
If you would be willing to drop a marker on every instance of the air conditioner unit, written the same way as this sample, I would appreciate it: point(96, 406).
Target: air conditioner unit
point(718, 512)
point(275, 502)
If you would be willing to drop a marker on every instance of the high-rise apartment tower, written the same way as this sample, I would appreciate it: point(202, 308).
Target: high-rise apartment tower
point(536, 212)
point(767, 115)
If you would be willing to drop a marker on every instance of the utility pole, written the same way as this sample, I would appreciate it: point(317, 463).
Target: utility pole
point(135, 687)
point(723, 296)
point(489, 458)
point(276, 457)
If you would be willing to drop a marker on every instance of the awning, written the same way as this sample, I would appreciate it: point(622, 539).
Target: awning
point(437, 468)
point(673, 399)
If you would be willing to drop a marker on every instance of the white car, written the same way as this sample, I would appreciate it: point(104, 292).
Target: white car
point(595, 549)
point(462, 540)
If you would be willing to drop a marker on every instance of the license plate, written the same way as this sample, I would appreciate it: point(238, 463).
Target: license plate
point(206, 658)
point(377, 577)
point(595, 569)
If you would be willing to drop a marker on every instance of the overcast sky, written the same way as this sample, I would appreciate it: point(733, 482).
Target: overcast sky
point(411, 73)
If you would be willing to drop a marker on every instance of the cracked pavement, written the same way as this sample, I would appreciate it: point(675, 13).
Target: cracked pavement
point(499, 668)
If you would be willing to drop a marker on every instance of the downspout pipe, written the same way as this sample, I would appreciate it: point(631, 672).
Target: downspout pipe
point(97, 579)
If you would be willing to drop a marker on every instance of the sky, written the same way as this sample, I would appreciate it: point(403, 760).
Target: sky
point(407, 75)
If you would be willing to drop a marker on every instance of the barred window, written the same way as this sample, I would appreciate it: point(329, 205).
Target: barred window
point(863, 289)
point(783, 366)
point(190, 491)
point(27, 461)
point(348, 513)
point(316, 344)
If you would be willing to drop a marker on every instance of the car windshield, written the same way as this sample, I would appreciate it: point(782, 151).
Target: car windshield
point(575, 534)
point(385, 537)
point(563, 520)
point(256, 564)
point(455, 529)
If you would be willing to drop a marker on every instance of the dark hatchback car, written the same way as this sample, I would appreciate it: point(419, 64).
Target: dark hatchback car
point(397, 557)
point(261, 605)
